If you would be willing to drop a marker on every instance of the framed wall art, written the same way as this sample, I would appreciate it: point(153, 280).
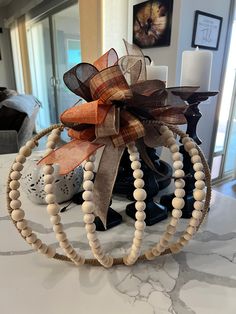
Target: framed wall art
point(206, 30)
point(152, 23)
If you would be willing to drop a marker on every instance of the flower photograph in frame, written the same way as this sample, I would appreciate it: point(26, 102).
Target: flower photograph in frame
point(152, 23)
point(206, 30)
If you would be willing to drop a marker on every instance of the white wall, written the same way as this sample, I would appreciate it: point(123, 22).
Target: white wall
point(208, 109)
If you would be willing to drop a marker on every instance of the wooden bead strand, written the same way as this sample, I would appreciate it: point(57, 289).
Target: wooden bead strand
point(88, 209)
point(53, 208)
point(139, 196)
point(17, 213)
point(177, 202)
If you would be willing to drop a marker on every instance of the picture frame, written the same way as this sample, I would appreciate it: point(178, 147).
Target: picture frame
point(206, 30)
point(152, 21)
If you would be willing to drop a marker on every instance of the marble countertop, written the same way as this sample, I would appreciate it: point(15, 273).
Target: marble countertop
point(201, 279)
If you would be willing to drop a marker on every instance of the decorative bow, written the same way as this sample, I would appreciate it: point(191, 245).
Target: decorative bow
point(112, 116)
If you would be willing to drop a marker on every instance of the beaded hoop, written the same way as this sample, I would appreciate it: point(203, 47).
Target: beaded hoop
point(101, 258)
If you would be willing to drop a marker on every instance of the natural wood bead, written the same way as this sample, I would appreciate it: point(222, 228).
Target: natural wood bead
point(196, 159)
point(198, 166)
point(137, 242)
point(48, 179)
point(50, 198)
point(193, 152)
point(132, 149)
point(187, 236)
point(149, 255)
point(15, 175)
point(17, 166)
point(200, 184)
point(26, 232)
point(21, 159)
point(176, 156)
point(87, 196)
point(135, 249)
point(168, 134)
point(37, 244)
point(48, 188)
point(14, 194)
point(140, 215)
point(174, 222)
point(22, 224)
point(179, 193)
point(189, 145)
point(178, 165)
point(58, 228)
point(47, 152)
point(179, 173)
point(56, 132)
point(163, 128)
point(92, 236)
point(14, 184)
point(51, 252)
point(179, 184)
point(193, 222)
point(79, 260)
point(139, 183)
point(170, 141)
point(98, 251)
point(178, 203)
point(48, 169)
point(198, 205)
point(53, 138)
point(51, 144)
point(92, 158)
point(55, 219)
point(31, 144)
point(139, 194)
point(199, 195)
point(95, 244)
point(72, 255)
point(61, 236)
point(167, 236)
point(140, 205)
point(155, 252)
point(138, 174)
point(138, 234)
point(88, 175)
point(90, 227)
point(43, 248)
point(15, 204)
point(176, 213)
point(197, 214)
point(134, 157)
point(64, 244)
point(25, 151)
point(183, 241)
point(89, 166)
point(199, 175)
point(88, 218)
point(53, 209)
point(186, 139)
point(175, 248)
point(191, 230)
point(171, 229)
point(174, 148)
point(88, 185)
point(164, 242)
point(140, 225)
point(32, 238)
point(69, 249)
point(88, 207)
point(160, 248)
point(109, 262)
point(135, 165)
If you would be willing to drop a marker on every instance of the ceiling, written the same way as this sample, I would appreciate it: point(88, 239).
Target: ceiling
point(4, 2)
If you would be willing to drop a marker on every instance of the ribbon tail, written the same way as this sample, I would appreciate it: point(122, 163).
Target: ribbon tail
point(105, 178)
point(70, 155)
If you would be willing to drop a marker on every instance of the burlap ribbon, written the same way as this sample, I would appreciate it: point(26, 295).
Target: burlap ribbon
point(112, 116)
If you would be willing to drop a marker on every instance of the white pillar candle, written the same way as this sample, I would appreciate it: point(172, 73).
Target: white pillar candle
point(157, 72)
point(196, 69)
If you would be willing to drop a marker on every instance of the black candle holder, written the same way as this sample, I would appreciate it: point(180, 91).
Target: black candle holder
point(192, 115)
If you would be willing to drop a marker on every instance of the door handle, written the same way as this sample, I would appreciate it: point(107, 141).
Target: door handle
point(52, 81)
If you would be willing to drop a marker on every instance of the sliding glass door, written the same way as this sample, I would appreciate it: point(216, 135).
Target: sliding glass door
point(54, 47)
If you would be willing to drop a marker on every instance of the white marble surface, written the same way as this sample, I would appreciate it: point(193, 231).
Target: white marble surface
point(201, 279)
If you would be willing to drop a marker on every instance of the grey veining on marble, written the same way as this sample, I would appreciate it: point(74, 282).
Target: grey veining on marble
point(199, 280)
